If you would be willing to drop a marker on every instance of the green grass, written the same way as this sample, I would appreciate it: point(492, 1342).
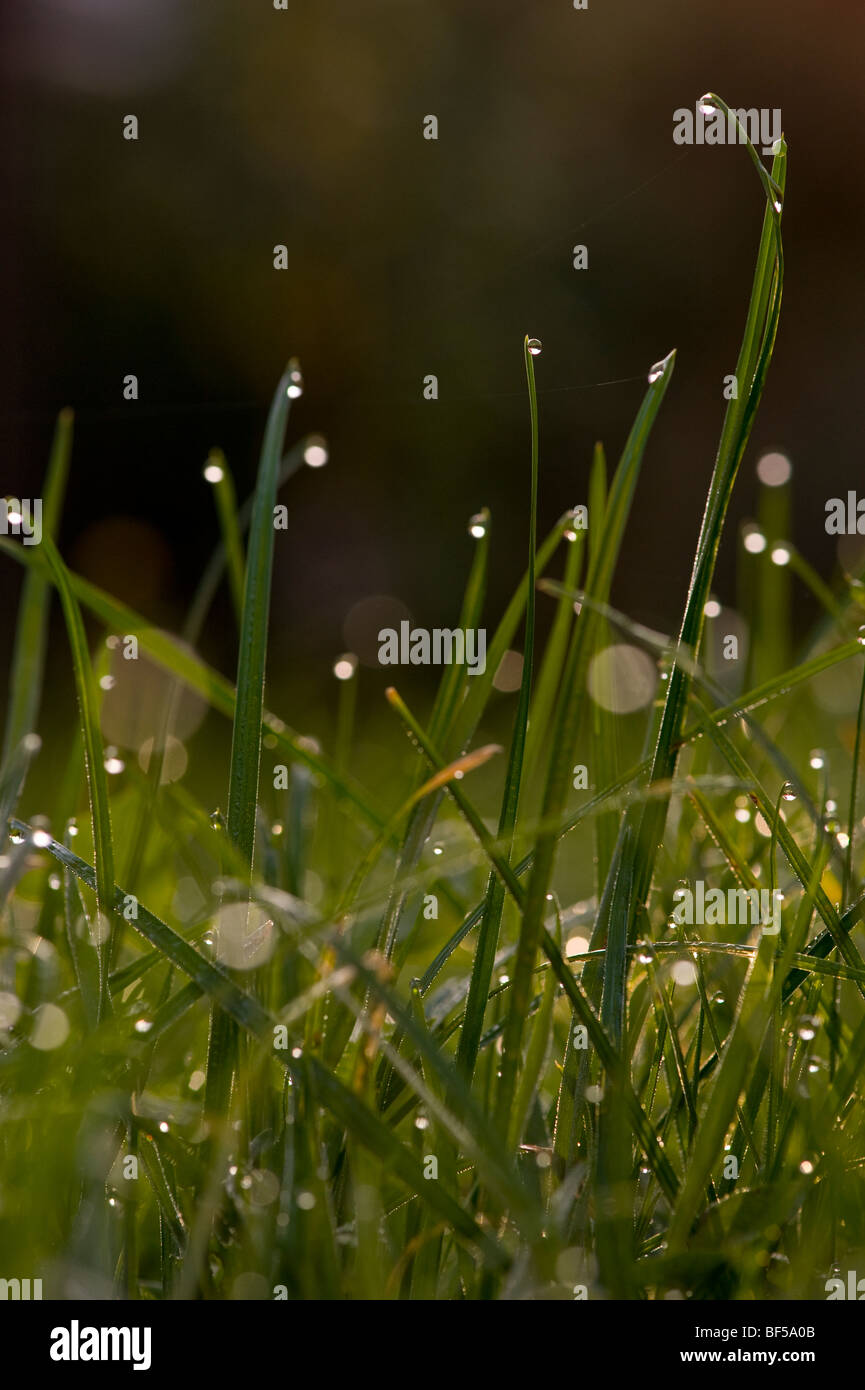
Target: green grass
point(272, 1091)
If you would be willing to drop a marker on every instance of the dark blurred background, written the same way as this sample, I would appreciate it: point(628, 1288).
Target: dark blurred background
point(410, 257)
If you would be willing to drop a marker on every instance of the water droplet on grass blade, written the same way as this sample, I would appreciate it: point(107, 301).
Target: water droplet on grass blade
point(478, 526)
point(295, 380)
point(684, 972)
point(345, 666)
point(315, 455)
point(217, 820)
point(753, 540)
point(817, 758)
point(788, 792)
point(535, 347)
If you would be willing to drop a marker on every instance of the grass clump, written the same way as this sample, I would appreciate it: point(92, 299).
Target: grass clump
point(507, 1071)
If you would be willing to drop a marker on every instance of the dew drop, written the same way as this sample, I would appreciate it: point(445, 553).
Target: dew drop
point(754, 541)
point(683, 972)
point(315, 455)
point(15, 835)
point(345, 666)
point(860, 636)
point(707, 104)
point(788, 792)
point(143, 1025)
point(817, 758)
point(217, 820)
point(478, 526)
point(295, 381)
point(535, 347)
point(656, 372)
point(807, 1027)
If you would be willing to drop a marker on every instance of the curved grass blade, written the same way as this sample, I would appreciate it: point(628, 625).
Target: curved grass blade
point(249, 707)
point(28, 654)
point(488, 937)
point(94, 757)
